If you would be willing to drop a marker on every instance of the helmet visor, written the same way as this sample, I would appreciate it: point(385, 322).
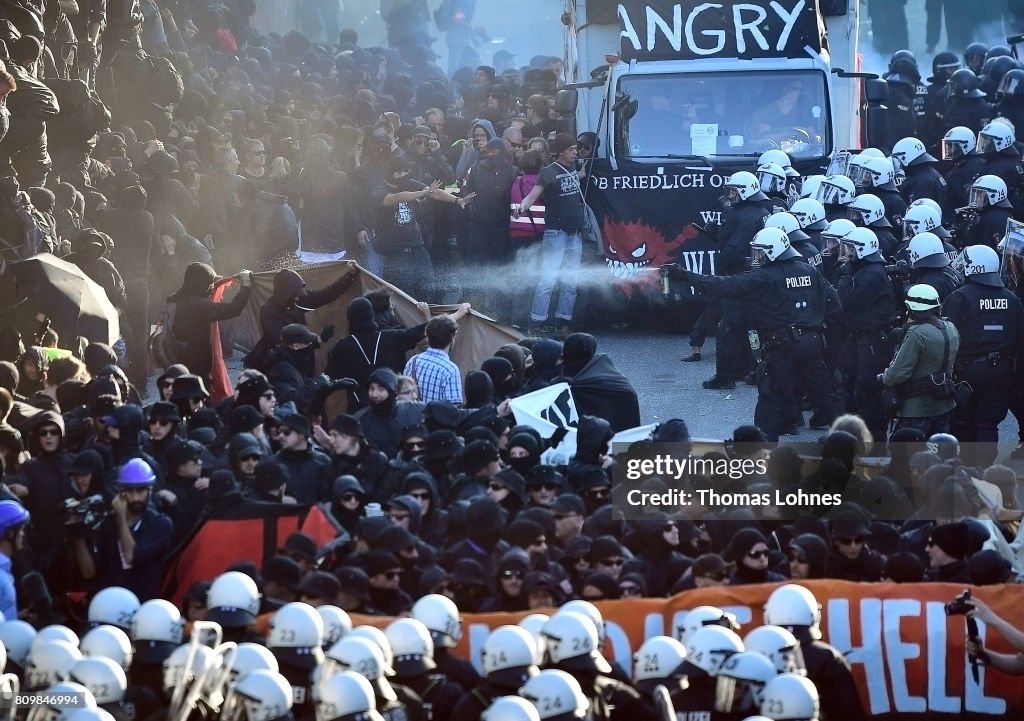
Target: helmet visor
point(847, 252)
point(1010, 85)
point(734, 696)
point(856, 215)
point(769, 183)
point(829, 194)
point(953, 149)
point(830, 245)
point(986, 143)
point(758, 256)
point(790, 660)
point(978, 198)
point(1011, 247)
point(861, 176)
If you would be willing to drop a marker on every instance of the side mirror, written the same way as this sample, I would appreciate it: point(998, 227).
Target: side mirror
point(876, 91)
point(876, 127)
point(566, 101)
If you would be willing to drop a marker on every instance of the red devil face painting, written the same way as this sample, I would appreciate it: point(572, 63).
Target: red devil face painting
point(633, 250)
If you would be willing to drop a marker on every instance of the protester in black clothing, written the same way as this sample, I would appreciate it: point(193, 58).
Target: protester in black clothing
point(947, 549)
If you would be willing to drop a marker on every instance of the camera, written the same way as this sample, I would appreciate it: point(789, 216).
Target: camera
point(88, 512)
point(900, 270)
point(960, 605)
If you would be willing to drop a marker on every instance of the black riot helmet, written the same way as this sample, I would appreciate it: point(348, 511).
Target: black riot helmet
point(998, 51)
point(904, 65)
point(1001, 65)
point(965, 84)
point(974, 56)
point(1012, 84)
point(944, 64)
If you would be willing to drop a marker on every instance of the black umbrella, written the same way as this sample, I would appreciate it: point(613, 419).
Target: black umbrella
point(75, 304)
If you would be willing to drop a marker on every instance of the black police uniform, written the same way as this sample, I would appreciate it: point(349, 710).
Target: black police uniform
point(960, 177)
point(611, 700)
point(901, 117)
point(1006, 164)
point(887, 242)
point(973, 113)
point(809, 251)
point(990, 320)
point(925, 181)
point(895, 205)
point(830, 672)
point(786, 302)
point(740, 224)
point(943, 280)
point(437, 694)
point(777, 203)
point(989, 227)
point(1012, 108)
point(697, 701)
point(930, 131)
point(868, 300)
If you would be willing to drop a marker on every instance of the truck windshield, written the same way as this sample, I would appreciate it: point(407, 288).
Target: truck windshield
point(724, 114)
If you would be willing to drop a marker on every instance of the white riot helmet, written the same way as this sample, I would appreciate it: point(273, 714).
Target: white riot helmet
point(787, 223)
point(741, 681)
point(346, 696)
point(860, 244)
point(909, 151)
point(994, 137)
point(441, 617)
point(412, 645)
point(871, 153)
point(836, 190)
point(980, 264)
point(927, 251)
point(104, 678)
point(509, 656)
point(590, 611)
point(741, 186)
point(709, 647)
point(114, 606)
point(833, 235)
point(789, 697)
point(657, 660)
point(63, 690)
point(259, 695)
point(108, 642)
point(926, 201)
point(510, 708)
point(233, 600)
point(157, 629)
point(810, 213)
point(777, 645)
point(17, 637)
point(175, 672)
point(771, 178)
point(56, 632)
point(811, 186)
point(792, 606)
point(48, 663)
point(920, 219)
point(958, 142)
point(337, 623)
point(354, 653)
point(780, 158)
point(374, 634)
point(868, 171)
point(296, 634)
point(250, 657)
point(869, 210)
point(556, 695)
point(768, 246)
point(90, 714)
point(922, 298)
point(572, 642)
point(701, 616)
point(988, 191)
point(532, 624)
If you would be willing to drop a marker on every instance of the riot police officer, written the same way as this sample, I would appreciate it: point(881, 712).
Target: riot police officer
point(996, 143)
point(974, 56)
point(867, 298)
point(924, 216)
point(903, 79)
point(793, 178)
point(786, 301)
point(798, 239)
point(835, 193)
point(944, 64)
point(1011, 93)
point(904, 63)
point(773, 180)
point(966, 104)
point(992, 77)
point(923, 179)
point(811, 216)
point(930, 265)
point(867, 211)
point(990, 319)
point(988, 201)
point(958, 146)
point(743, 217)
point(871, 174)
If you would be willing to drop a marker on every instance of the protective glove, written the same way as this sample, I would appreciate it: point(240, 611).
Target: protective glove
point(327, 333)
point(245, 278)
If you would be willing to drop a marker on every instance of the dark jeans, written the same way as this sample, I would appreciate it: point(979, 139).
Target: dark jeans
point(411, 270)
point(928, 425)
point(977, 424)
point(865, 355)
point(790, 366)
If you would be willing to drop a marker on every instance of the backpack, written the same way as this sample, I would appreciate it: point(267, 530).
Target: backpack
point(164, 347)
point(167, 87)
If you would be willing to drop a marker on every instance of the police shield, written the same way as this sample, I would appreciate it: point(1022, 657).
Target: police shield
point(1012, 247)
point(839, 163)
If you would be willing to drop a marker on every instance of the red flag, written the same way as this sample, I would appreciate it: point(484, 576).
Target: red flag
point(219, 370)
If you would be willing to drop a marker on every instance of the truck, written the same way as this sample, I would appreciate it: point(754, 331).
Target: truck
point(682, 94)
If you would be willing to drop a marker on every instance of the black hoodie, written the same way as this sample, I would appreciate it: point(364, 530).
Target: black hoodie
point(383, 423)
point(45, 476)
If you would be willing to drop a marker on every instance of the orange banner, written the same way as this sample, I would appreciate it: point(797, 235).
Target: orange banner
point(908, 658)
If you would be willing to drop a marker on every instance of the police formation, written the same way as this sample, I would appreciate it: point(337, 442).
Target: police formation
point(144, 661)
point(824, 279)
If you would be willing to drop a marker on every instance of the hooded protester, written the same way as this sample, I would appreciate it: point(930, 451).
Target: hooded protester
point(433, 519)
point(509, 596)
point(521, 360)
point(195, 312)
point(598, 388)
point(244, 456)
point(89, 250)
point(385, 417)
point(45, 477)
point(508, 488)
point(471, 151)
point(523, 455)
point(485, 522)
point(657, 557)
point(502, 376)
point(808, 557)
point(184, 470)
point(268, 224)
point(348, 502)
point(592, 437)
point(749, 550)
point(547, 365)
point(124, 429)
point(32, 366)
point(352, 454)
point(480, 403)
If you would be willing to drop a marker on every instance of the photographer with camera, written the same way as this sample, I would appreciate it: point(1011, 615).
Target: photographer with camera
point(85, 506)
point(133, 541)
point(1007, 662)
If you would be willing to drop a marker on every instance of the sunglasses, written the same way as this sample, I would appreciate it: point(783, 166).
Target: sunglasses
point(758, 554)
point(599, 492)
point(251, 457)
point(420, 495)
point(48, 432)
point(349, 497)
point(512, 574)
point(617, 562)
point(159, 422)
point(629, 590)
point(852, 541)
point(496, 486)
point(544, 486)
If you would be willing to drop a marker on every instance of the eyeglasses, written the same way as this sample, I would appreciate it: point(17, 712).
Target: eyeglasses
point(853, 541)
point(612, 562)
point(512, 574)
point(669, 527)
point(349, 497)
point(629, 590)
point(44, 432)
point(496, 487)
point(251, 457)
point(419, 495)
point(758, 554)
point(159, 422)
